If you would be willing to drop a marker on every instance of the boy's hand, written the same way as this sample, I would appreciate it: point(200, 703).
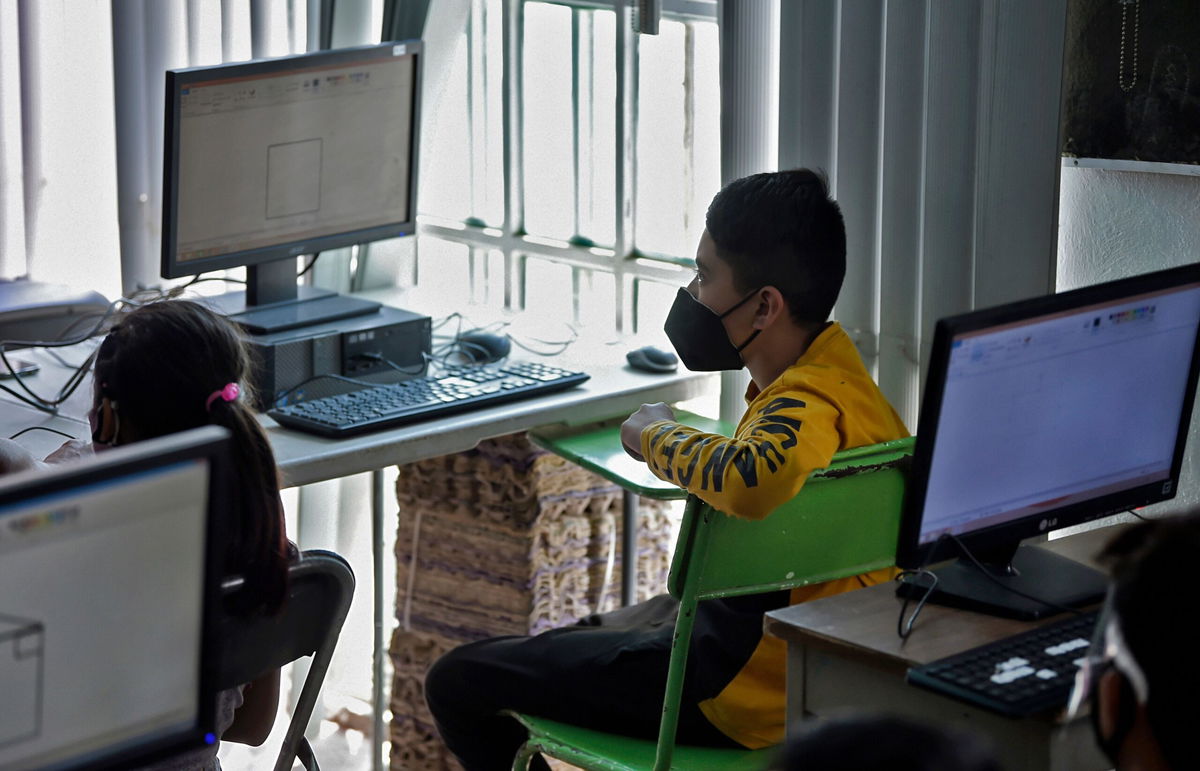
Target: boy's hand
point(631, 429)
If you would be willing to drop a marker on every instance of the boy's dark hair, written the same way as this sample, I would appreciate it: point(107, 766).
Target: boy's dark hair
point(782, 229)
point(1153, 566)
point(159, 364)
point(884, 743)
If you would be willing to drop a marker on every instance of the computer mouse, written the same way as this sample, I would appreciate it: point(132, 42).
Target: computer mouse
point(651, 359)
point(484, 347)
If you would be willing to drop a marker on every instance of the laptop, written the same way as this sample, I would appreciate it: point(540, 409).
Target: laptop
point(109, 600)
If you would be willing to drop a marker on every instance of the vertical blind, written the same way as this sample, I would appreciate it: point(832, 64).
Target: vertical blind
point(938, 124)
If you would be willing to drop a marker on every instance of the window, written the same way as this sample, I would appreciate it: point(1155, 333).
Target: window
point(571, 194)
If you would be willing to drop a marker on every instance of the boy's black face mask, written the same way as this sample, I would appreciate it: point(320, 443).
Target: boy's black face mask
point(699, 336)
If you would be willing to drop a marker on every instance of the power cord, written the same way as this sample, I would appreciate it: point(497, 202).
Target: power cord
point(903, 629)
point(280, 397)
point(42, 428)
point(310, 265)
point(51, 404)
point(535, 345)
point(558, 346)
point(983, 569)
point(404, 370)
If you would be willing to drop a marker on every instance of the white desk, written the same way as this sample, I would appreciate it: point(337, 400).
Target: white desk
point(613, 390)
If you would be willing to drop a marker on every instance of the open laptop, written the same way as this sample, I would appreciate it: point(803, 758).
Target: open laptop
point(109, 591)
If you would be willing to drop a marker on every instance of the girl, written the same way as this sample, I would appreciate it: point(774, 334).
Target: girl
point(174, 365)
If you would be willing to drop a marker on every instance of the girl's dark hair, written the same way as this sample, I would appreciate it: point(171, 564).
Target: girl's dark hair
point(782, 229)
point(160, 364)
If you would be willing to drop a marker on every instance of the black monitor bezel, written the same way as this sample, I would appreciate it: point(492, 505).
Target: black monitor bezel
point(212, 444)
point(913, 555)
point(177, 79)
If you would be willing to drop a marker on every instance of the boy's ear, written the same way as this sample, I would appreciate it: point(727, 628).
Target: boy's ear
point(770, 307)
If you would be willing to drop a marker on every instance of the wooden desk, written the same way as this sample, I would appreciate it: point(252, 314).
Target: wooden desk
point(844, 654)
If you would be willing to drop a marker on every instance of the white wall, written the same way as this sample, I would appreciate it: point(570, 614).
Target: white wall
point(1114, 224)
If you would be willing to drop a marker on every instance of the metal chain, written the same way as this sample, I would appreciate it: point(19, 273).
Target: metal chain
point(1137, 16)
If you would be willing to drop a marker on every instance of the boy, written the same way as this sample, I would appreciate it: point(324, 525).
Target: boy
point(1141, 674)
point(768, 270)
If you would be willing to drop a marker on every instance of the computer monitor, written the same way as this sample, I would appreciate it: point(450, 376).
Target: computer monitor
point(267, 160)
point(1043, 414)
point(109, 594)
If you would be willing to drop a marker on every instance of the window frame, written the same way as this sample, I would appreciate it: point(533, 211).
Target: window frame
point(628, 265)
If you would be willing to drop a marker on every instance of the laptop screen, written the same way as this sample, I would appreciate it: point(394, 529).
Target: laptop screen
point(104, 591)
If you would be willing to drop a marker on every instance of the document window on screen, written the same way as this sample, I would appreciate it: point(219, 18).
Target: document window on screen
point(292, 156)
point(102, 644)
point(1018, 430)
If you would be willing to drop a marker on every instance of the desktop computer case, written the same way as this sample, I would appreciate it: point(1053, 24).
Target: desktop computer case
point(359, 347)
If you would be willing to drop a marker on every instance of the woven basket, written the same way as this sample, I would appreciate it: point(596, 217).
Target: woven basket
point(506, 539)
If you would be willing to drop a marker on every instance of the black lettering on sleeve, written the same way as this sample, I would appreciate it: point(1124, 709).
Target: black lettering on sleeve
point(747, 466)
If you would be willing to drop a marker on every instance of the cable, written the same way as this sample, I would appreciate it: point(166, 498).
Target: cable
point(310, 265)
point(64, 393)
point(562, 345)
point(980, 566)
point(61, 361)
point(51, 405)
point(340, 378)
point(42, 428)
point(379, 358)
point(477, 353)
point(905, 629)
point(902, 629)
point(1135, 514)
point(200, 280)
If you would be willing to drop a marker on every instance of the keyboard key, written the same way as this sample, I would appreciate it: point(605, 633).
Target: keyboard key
point(424, 398)
point(1021, 675)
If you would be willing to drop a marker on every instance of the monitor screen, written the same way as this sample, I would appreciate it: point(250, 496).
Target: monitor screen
point(1051, 412)
point(275, 158)
point(107, 596)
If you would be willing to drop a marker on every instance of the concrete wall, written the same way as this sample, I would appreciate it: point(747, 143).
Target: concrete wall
point(1114, 224)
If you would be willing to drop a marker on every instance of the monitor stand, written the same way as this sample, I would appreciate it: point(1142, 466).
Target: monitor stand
point(273, 302)
point(1032, 570)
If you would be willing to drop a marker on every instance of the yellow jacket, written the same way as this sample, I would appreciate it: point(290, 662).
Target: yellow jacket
point(823, 403)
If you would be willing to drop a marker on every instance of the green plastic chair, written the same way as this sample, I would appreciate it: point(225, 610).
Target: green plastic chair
point(844, 522)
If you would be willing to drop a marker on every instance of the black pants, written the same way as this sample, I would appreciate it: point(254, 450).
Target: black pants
point(607, 672)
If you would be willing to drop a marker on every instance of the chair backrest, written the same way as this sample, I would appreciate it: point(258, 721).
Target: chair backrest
point(844, 521)
point(320, 588)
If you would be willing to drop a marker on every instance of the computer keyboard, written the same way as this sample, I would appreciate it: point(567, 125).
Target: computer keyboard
point(1025, 674)
point(423, 398)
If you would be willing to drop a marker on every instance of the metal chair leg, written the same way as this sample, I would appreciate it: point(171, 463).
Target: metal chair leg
point(524, 758)
point(629, 550)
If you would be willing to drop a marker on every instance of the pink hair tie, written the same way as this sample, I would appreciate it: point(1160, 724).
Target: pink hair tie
point(229, 393)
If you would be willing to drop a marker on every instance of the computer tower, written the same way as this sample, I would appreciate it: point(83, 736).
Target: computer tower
point(384, 346)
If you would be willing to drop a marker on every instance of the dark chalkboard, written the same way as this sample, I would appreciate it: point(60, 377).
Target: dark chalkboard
point(1132, 80)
